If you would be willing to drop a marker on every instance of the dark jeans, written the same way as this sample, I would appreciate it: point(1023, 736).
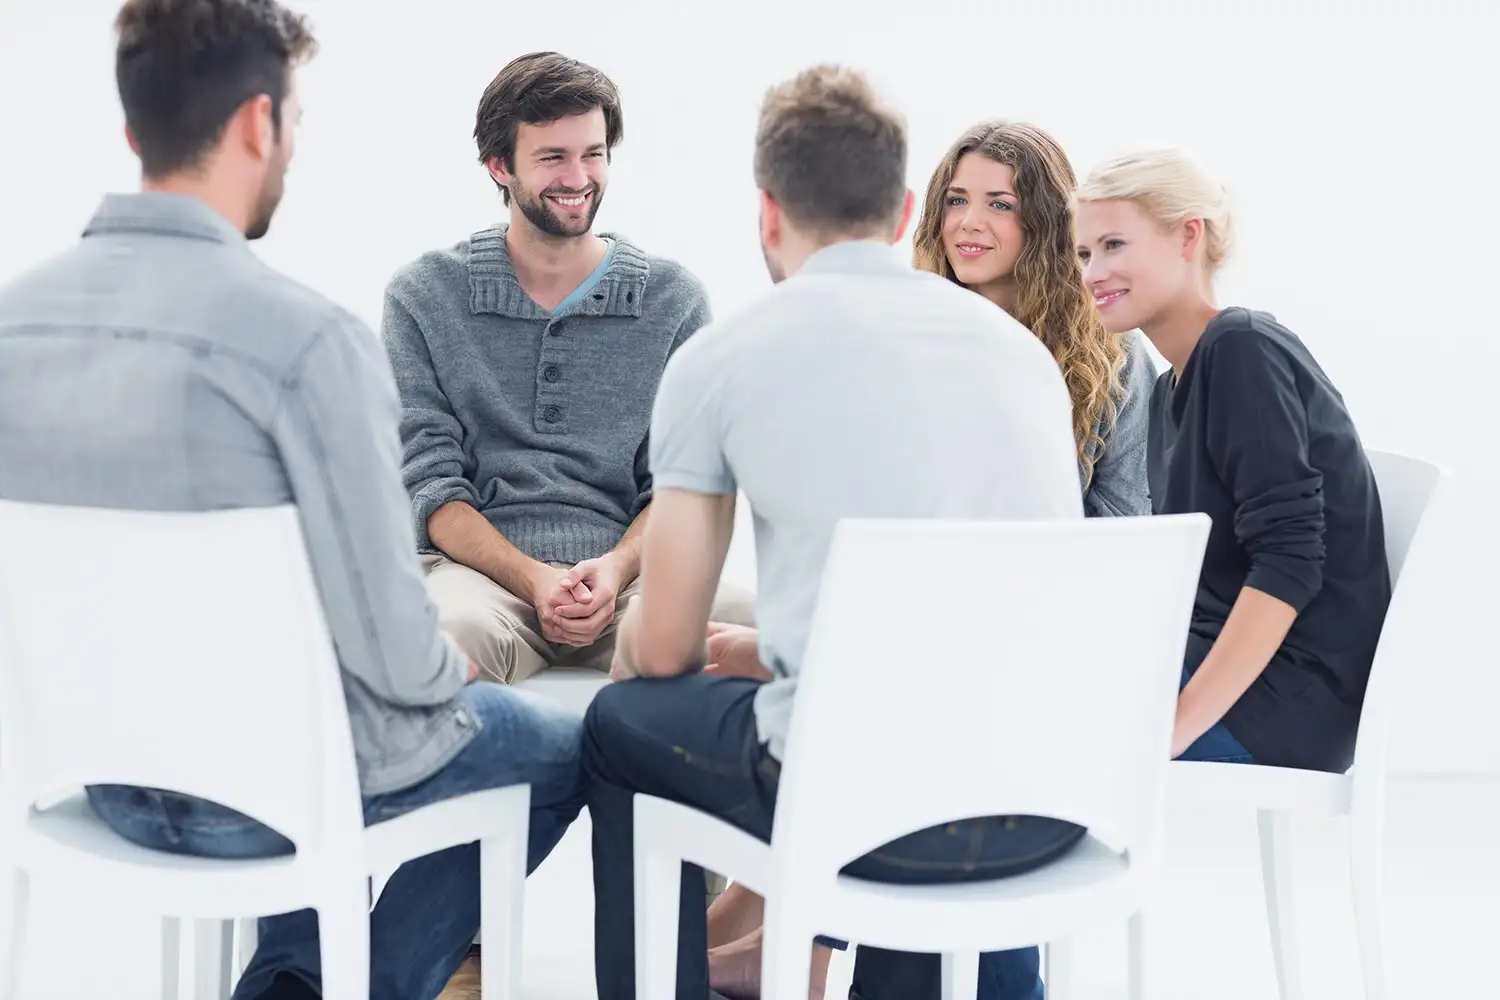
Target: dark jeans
point(693, 740)
point(428, 913)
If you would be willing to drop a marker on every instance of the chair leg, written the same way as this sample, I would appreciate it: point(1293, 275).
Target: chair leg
point(213, 944)
point(1141, 983)
point(1057, 970)
point(961, 976)
point(1276, 871)
point(658, 884)
point(171, 958)
point(344, 937)
point(1366, 850)
point(786, 957)
point(13, 934)
point(247, 939)
point(502, 888)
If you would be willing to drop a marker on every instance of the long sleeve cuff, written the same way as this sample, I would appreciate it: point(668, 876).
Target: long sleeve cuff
point(1291, 581)
point(1282, 531)
point(433, 495)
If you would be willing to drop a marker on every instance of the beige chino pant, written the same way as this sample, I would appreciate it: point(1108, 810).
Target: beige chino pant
point(502, 634)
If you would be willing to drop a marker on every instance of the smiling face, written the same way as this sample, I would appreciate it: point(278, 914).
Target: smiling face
point(981, 223)
point(1135, 269)
point(561, 170)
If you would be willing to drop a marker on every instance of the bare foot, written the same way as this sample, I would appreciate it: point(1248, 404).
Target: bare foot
point(734, 969)
point(465, 982)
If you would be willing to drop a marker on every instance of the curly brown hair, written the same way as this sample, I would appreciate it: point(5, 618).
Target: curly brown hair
point(1052, 300)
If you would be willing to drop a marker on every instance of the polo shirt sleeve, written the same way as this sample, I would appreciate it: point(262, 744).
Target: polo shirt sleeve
point(687, 426)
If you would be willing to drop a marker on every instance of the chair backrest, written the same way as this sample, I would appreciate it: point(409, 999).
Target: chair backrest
point(964, 669)
point(1408, 487)
point(180, 651)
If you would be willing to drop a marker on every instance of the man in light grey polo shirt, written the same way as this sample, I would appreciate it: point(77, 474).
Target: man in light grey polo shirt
point(159, 365)
point(857, 387)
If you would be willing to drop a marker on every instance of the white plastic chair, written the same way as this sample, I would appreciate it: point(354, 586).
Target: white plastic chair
point(189, 652)
point(1408, 487)
point(219, 949)
point(1056, 712)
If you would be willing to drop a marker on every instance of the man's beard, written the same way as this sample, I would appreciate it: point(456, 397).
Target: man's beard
point(777, 274)
point(266, 202)
point(539, 211)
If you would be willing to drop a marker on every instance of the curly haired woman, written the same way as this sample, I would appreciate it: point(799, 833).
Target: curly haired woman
point(998, 219)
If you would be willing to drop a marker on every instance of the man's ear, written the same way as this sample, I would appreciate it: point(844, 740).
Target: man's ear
point(907, 208)
point(253, 129)
point(770, 221)
point(496, 166)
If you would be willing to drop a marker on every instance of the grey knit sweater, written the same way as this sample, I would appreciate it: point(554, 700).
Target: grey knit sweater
point(538, 420)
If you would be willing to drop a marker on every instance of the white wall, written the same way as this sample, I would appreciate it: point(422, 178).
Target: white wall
point(1350, 136)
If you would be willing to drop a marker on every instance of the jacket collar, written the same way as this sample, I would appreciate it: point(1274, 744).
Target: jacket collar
point(165, 214)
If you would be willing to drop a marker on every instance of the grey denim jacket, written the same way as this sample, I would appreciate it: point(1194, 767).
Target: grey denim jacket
point(159, 365)
point(1119, 487)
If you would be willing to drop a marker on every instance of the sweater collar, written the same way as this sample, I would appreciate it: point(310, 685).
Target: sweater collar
point(494, 287)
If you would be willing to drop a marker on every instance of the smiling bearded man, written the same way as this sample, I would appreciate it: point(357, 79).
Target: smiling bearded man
point(527, 359)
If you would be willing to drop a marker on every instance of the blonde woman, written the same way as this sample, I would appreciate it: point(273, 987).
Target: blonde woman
point(997, 219)
point(1249, 429)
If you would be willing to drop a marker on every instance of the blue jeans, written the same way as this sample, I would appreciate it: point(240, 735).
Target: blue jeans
point(1012, 975)
point(1217, 745)
point(693, 740)
point(428, 914)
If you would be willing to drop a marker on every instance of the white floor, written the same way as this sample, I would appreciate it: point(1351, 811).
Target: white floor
point(1443, 894)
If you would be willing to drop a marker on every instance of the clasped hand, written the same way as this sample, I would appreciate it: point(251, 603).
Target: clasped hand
point(575, 606)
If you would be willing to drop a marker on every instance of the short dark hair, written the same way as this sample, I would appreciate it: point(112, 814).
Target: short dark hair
point(832, 153)
point(183, 67)
point(538, 88)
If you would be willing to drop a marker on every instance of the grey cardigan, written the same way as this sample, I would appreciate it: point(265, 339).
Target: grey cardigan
point(1119, 487)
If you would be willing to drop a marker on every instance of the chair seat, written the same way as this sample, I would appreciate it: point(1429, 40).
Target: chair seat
point(1258, 787)
point(70, 840)
point(989, 916)
point(1005, 913)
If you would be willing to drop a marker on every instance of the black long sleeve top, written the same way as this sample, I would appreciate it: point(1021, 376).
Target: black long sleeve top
point(1255, 435)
